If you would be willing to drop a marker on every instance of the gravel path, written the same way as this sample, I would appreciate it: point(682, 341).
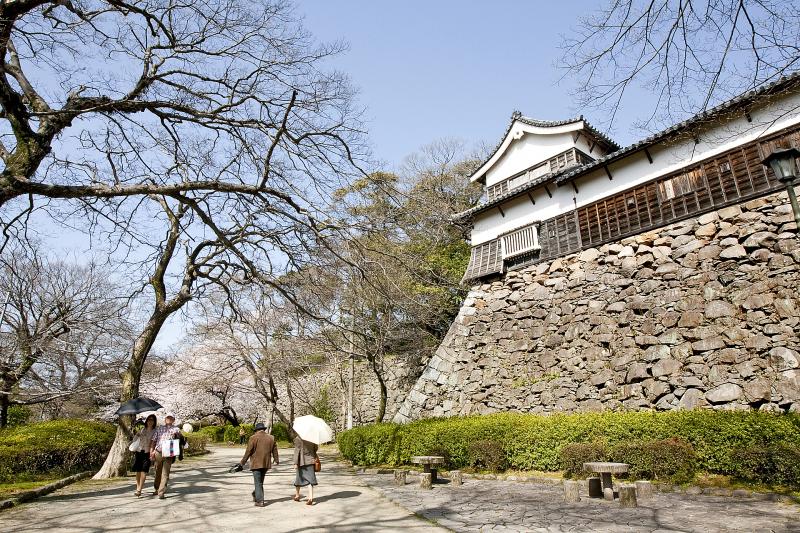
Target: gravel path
point(204, 497)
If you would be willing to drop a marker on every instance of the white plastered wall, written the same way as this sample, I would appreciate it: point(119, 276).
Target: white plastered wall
point(636, 168)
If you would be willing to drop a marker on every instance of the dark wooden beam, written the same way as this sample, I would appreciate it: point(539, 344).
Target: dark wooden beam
point(608, 172)
point(576, 136)
point(591, 148)
point(574, 187)
point(747, 115)
point(531, 198)
point(502, 213)
point(649, 157)
point(548, 191)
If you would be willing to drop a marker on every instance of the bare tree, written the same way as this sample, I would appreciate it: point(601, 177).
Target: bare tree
point(53, 311)
point(691, 54)
point(215, 120)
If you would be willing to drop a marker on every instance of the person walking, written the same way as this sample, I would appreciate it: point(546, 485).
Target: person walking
point(162, 451)
point(261, 450)
point(241, 435)
point(305, 458)
point(140, 446)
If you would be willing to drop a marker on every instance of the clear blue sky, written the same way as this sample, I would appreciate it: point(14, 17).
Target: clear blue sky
point(433, 69)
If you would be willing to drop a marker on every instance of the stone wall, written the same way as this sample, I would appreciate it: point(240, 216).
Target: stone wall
point(399, 375)
point(702, 313)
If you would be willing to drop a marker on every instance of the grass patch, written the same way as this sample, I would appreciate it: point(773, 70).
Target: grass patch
point(9, 490)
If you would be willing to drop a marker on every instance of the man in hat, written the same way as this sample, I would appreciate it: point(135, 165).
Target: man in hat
point(163, 452)
point(261, 450)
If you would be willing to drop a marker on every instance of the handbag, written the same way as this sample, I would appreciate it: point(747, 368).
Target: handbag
point(135, 445)
point(317, 464)
point(170, 448)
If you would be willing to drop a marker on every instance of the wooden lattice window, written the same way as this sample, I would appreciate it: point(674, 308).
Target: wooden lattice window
point(485, 259)
point(685, 183)
point(497, 190)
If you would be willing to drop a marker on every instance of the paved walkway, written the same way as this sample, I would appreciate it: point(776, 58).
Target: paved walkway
point(204, 497)
point(505, 506)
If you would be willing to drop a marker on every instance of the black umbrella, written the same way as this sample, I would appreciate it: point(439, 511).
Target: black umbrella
point(137, 405)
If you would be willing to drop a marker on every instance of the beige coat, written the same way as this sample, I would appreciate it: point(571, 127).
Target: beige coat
point(261, 451)
point(305, 453)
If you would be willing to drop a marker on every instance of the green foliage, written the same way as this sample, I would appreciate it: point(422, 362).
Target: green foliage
point(532, 442)
point(666, 460)
point(322, 407)
point(778, 463)
point(232, 432)
point(196, 443)
point(214, 433)
point(281, 432)
point(60, 447)
point(18, 415)
point(488, 454)
point(574, 455)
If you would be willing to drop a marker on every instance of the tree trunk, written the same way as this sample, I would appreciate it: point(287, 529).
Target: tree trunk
point(116, 463)
point(384, 392)
point(5, 401)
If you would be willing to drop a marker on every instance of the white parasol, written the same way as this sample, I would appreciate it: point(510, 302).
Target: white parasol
point(313, 429)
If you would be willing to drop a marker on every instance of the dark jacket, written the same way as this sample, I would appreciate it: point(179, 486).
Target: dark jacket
point(261, 451)
point(305, 453)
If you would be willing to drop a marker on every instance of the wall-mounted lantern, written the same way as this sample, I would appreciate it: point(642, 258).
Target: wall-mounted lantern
point(783, 162)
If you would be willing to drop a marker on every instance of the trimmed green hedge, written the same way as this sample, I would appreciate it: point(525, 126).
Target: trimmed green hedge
point(533, 442)
point(229, 433)
point(281, 432)
point(232, 432)
point(60, 447)
point(196, 443)
point(214, 433)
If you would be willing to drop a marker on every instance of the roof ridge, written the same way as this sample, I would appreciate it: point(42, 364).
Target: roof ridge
point(517, 115)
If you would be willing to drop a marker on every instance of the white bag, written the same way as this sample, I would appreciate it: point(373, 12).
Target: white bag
point(136, 444)
point(170, 447)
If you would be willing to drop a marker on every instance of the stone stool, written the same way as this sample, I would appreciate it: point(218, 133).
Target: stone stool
point(400, 477)
point(425, 481)
point(595, 487)
point(644, 490)
point(627, 495)
point(571, 493)
point(456, 477)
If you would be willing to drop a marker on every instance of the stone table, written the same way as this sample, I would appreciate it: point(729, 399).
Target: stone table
point(426, 461)
point(606, 470)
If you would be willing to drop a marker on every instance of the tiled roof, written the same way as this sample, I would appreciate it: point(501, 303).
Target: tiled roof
point(735, 102)
point(566, 175)
point(517, 116)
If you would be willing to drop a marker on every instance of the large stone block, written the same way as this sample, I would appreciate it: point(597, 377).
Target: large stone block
point(727, 392)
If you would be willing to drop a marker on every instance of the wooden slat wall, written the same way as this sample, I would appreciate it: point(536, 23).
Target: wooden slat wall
point(723, 180)
point(485, 259)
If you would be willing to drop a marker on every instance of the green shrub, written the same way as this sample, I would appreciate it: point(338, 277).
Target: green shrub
point(281, 432)
point(232, 432)
point(778, 463)
point(322, 407)
point(60, 447)
point(666, 460)
point(214, 433)
point(574, 455)
point(487, 454)
point(18, 415)
point(196, 443)
point(533, 442)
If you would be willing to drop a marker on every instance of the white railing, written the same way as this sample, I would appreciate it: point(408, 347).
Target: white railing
point(521, 241)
